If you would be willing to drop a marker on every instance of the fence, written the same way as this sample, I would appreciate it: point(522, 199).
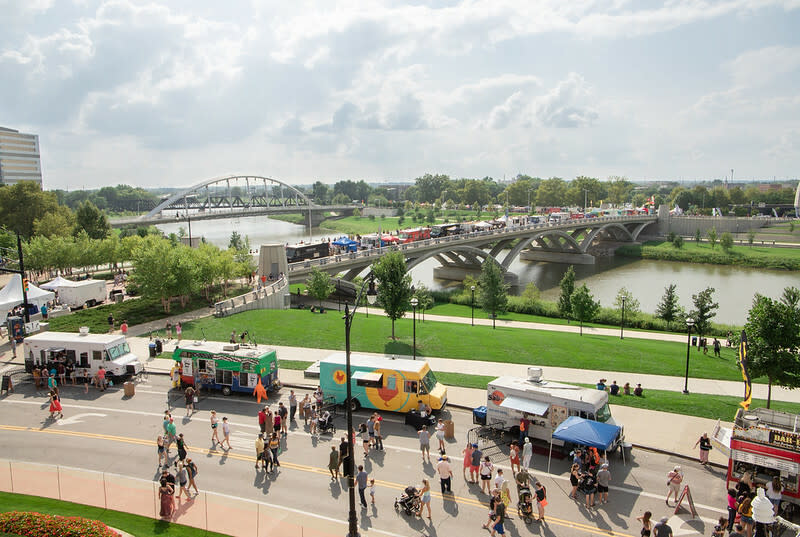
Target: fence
point(268, 297)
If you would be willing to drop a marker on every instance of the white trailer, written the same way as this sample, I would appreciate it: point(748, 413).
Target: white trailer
point(546, 404)
point(88, 292)
point(84, 350)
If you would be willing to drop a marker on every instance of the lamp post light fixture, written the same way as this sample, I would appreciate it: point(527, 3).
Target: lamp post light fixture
point(473, 304)
point(689, 325)
point(349, 467)
point(372, 294)
point(414, 304)
point(622, 321)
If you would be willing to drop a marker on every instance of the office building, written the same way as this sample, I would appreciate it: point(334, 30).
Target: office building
point(19, 157)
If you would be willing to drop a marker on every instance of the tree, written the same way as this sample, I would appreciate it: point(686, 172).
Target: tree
point(22, 203)
point(320, 285)
point(697, 235)
point(531, 294)
point(703, 311)
point(751, 236)
point(57, 223)
point(493, 289)
point(677, 242)
point(669, 309)
point(583, 305)
point(773, 339)
point(91, 220)
point(712, 237)
point(152, 269)
point(394, 285)
point(632, 306)
point(236, 240)
point(567, 285)
point(552, 192)
point(424, 298)
point(726, 242)
point(619, 189)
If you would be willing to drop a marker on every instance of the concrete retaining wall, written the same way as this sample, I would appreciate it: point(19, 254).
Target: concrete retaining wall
point(274, 296)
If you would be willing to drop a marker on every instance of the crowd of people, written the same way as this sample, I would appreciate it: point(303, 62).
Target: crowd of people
point(614, 388)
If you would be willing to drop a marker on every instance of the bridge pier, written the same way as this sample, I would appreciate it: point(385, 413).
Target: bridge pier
point(537, 254)
point(457, 274)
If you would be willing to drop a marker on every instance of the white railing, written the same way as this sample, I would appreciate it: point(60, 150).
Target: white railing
point(231, 305)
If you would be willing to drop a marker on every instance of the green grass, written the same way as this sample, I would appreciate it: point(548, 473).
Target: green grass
point(302, 328)
point(693, 252)
point(133, 524)
point(296, 365)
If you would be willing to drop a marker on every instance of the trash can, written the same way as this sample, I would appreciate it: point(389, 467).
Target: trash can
point(129, 389)
point(118, 298)
point(159, 347)
point(152, 347)
point(694, 341)
point(449, 429)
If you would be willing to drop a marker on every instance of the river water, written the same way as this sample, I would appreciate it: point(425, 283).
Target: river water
point(645, 279)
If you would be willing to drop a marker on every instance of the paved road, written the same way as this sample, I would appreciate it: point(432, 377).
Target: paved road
point(104, 431)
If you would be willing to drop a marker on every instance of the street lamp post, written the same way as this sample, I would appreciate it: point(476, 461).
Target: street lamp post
point(473, 304)
point(414, 303)
point(585, 199)
point(689, 325)
point(348, 322)
point(622, 321)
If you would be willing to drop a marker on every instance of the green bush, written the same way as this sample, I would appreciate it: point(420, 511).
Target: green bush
point(39, 525)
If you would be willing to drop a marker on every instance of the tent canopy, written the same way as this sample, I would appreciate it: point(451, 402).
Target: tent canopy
point(587, 432)
point(58, 282)
point(11, 295)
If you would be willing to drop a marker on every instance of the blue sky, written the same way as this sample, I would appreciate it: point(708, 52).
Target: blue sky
point(173, 93)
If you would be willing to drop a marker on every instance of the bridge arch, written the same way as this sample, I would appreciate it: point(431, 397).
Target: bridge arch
point(169, 202)
point(469, 251)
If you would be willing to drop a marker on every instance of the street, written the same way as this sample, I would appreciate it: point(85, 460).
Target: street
point(104, 431)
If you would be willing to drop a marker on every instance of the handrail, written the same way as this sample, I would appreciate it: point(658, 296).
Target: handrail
point(250, 296)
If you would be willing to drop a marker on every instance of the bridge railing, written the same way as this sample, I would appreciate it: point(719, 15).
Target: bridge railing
point(378, 252)
point(231, 305)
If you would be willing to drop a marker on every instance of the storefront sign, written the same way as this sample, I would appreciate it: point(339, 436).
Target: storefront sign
point(785, 440)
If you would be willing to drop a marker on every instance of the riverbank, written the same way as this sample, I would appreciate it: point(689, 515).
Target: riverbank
point(756, 256)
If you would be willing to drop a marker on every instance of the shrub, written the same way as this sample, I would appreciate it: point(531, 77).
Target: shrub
point(40, 525)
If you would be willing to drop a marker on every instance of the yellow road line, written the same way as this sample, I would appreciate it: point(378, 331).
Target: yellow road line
point(303, 468)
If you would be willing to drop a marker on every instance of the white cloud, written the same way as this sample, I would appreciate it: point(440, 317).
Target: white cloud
point(564, 106)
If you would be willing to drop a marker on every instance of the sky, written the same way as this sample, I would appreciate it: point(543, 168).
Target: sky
point(174, 93)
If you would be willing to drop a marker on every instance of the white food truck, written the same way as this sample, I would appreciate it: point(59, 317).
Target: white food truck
point(84, 350)
point(89, 292)
point(546, 404)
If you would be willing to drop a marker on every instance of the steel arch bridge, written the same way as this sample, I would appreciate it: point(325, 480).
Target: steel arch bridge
point(217, 193)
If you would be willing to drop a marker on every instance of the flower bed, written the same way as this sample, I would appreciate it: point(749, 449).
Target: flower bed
point(39, 525)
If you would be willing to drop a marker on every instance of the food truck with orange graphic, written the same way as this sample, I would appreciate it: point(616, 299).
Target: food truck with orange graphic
point(381, 382)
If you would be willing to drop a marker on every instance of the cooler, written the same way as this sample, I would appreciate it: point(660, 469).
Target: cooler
point(129, 388)
point(449, 429)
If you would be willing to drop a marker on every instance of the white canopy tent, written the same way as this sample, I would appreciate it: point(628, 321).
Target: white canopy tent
point(11, 295)
point(58, 282)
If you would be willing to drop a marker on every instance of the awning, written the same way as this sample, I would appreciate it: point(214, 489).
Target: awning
point(536, 408)
point(369, 377)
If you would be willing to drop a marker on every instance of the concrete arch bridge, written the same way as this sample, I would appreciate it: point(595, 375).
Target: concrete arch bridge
point(458, 255)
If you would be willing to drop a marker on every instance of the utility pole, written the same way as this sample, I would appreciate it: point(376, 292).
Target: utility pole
point(22, 279)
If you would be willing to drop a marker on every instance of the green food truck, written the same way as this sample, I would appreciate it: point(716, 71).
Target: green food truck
point(227, 367)
point(381, 382)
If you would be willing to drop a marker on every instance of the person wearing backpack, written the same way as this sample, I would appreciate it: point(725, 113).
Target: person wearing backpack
point(541, 499)
point(500, 517)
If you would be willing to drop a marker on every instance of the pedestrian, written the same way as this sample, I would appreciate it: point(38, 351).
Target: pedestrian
point(627, 388)
point(445, 474)
point(124, 327)
point(719, 527)
point(527, 452)
point(305, 408)
point(589, 486)
point(312, 415)
point(499, 479)
point(274, 449)
point(37, 377)
point(191, 472)
point(494, 499)
point(371, 430)
point(85, 381)
point(378, 425)
point(260, 450)
point(467, 452)
point(732, 505)
point(344, 452)
point(166, 500)
point(226, 433)
point(101, 379)
point(71, 373)
point(738, 533)
point(361, 480)
point(440, 434)
point(161, 451)
point(775, 493)
point(746, 515)
point(524, 425)
point(363, 432)
point(603, 481)
point(513, 457)
point(262, 420)
point(13, 345)
point(214, 430)
point(188, 396)
point(500, 513)
point(233, 336)
point(647, 524)
point(172, 433)
point(181, 445)
point(424, 442)
point(425, 498)
point(574, 479)
point(62, 373)
point(475, 464)
point(292, 405)
point(717, 348)
point(319, 397)
point(55, 404)
point(276, 422)
point(179, 331)
point(705, 446)
point(110, 322)
point(183, 480)
point(168, 330)
point(333, 463)
point(674, 480)
point(487, 468)
point(662, 529)
point(284, 423)
point(372, 491)
point(541, 499)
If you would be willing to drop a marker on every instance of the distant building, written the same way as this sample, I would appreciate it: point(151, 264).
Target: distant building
point(19, 157)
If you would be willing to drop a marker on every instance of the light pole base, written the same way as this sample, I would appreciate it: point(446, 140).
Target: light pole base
point(685, 392)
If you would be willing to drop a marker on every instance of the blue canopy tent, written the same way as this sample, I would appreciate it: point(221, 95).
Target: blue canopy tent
point(583, 432)
point(348, 244)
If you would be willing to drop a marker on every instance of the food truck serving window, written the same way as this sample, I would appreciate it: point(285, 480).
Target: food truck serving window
point(537, 408)
point(368, 380)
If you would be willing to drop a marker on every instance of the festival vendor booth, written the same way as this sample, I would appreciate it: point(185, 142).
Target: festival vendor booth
point(582, 432)
point(57, 283)
point(11, 296)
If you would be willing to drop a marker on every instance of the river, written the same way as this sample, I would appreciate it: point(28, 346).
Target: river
point(645, 279)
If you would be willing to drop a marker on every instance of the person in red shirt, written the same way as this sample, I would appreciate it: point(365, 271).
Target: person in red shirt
point(124, 327)
point(524, 424)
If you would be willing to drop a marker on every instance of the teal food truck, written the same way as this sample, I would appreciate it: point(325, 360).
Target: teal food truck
point(227, 366)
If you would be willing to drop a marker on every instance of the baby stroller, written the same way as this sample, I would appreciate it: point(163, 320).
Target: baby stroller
point(325, 424)
point(409, 501)
point(588, 484)
point(525, 504)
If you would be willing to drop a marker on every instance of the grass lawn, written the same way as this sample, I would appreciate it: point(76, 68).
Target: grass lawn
point(758, 252)
point(133, 524)
point(305, 329)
